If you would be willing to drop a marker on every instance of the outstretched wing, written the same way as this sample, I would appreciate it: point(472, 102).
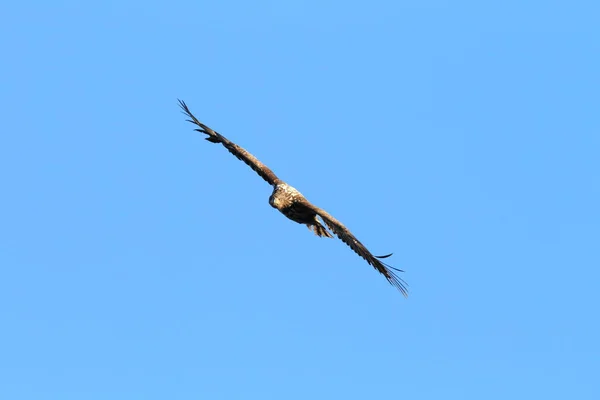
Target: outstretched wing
point(347, 237)
point(214, 137)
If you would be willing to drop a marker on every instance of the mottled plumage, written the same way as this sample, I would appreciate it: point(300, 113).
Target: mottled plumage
point(291, 203)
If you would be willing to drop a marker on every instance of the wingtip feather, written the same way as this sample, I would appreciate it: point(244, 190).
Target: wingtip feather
point(386, 256)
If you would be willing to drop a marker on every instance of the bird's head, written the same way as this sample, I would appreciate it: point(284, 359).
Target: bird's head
point(274, 201)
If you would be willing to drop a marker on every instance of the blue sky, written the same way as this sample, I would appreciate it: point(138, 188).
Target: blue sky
point(139, 261)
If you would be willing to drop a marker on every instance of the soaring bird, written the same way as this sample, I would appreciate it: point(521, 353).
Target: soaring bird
point(291, 203)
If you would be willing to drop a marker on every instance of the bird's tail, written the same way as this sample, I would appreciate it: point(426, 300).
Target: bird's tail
point(319, 229)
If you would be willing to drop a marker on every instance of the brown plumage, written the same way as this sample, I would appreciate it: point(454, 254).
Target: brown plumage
point(291, 203)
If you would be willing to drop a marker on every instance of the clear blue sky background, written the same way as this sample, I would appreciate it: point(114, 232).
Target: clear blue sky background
point(139, 261)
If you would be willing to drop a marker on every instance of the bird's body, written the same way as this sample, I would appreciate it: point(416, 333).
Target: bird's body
point(291, 203)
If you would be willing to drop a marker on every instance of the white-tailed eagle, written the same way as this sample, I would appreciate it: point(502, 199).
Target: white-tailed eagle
point(294, 205)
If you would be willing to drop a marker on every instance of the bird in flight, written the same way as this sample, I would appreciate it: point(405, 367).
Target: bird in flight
point(291, 203)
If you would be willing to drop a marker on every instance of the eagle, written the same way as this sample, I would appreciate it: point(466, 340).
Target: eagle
point(291, 203)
